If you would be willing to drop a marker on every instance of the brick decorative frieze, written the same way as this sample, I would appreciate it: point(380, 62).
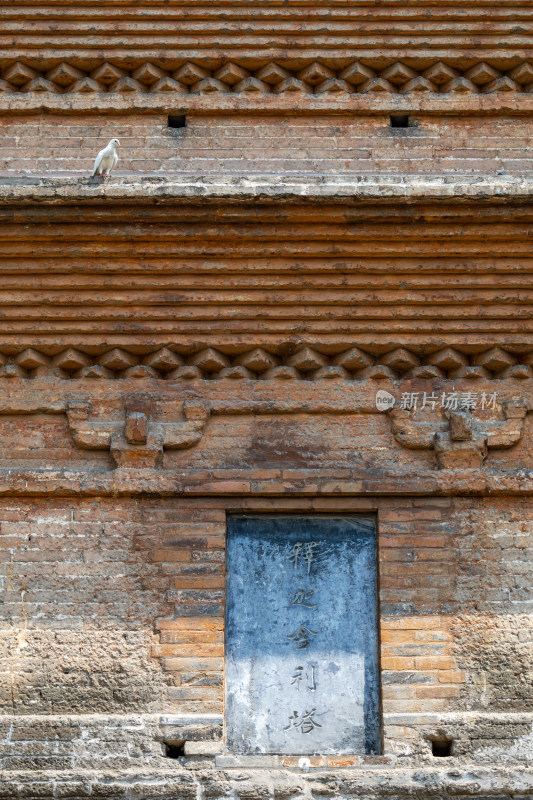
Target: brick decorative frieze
point(280, 363)
point(116, 424)
point(271, 78)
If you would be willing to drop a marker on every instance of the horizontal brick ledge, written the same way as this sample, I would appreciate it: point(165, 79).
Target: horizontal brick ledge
point(364, 104)
point(450, 482)
point(264, 187)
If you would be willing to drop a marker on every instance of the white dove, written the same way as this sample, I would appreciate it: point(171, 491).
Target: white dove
point(106, 159)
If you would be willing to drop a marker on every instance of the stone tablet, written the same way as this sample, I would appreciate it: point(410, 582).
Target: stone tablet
point(301, 636)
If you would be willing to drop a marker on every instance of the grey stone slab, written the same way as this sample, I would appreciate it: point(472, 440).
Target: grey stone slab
point(202, 748)
point(301, 636)
point(191, 719)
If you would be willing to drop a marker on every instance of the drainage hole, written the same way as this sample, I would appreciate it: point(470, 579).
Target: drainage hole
point(441, 748)
point(177, 121)
point(174, 749)
point(400, 121)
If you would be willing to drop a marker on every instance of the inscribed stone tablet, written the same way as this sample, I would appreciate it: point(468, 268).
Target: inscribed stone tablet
point(301, 636)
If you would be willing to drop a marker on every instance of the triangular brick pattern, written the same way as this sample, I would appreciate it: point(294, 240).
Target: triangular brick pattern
point(258, 363)
point(396, 77)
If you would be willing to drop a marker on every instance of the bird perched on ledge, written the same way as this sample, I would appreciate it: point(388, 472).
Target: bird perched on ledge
point(106, 160)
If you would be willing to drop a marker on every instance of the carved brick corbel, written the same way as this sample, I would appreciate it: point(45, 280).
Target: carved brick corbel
point(136, 441)
point(459, 441)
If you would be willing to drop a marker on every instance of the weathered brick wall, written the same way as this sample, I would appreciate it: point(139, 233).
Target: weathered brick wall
point(113, 571)
point(240, 144)
point(114, 607)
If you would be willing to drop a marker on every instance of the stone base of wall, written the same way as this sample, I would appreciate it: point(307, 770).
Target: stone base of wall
point(127, 756)
point(200, 782)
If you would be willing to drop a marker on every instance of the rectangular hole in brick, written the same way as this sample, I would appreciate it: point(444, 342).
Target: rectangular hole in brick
point(399, 121)
point(174, 749)
point(441, 748)
point(177, 121)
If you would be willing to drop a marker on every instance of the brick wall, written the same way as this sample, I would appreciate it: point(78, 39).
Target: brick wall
point(239, 144)
point(116, 607)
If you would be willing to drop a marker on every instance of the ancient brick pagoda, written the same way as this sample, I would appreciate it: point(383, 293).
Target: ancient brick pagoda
point(266, 476)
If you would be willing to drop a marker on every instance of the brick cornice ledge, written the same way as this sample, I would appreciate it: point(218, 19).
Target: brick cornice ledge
point(514, 103)
point(248, 484)
point(270, 187)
